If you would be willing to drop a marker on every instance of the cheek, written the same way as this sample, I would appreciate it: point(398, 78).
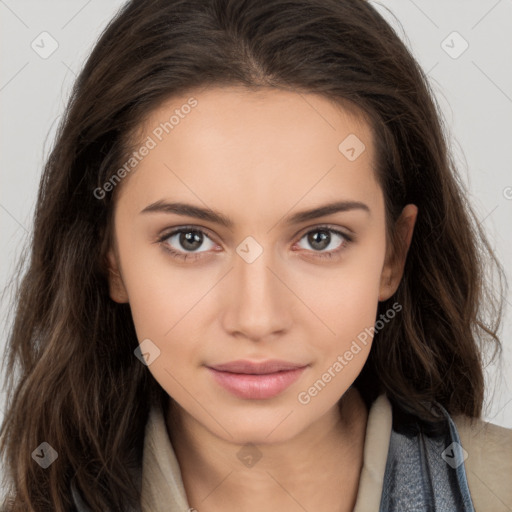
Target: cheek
point(161, 293)
point(167, 303)
point(164, 303)
point(345, 296)
point(348, 308)
point(159, 301)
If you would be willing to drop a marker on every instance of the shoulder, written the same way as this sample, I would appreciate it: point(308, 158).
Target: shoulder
point(488, 462)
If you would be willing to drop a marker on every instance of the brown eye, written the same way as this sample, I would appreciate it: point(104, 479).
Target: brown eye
point(190, 240)
point(322, 238)
point(185, 242)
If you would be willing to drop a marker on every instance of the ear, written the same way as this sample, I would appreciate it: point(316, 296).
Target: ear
point(116, 286)
point(393, 269)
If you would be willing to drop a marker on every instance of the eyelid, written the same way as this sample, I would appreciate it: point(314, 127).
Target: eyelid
point(349, 234)
point(167, 233)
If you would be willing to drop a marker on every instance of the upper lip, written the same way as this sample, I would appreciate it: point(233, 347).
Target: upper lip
point(256, 367)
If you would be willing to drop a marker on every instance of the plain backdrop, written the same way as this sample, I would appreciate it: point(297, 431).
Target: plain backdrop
point(465, 46)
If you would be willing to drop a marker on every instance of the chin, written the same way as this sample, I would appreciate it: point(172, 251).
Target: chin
point(257, 428)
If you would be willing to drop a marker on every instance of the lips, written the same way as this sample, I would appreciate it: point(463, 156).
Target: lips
point(253, 380)
point(257, 367)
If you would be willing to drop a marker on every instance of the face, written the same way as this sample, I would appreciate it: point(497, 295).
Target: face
point(239, 271)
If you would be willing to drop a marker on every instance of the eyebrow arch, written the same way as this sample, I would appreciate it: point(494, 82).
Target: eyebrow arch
point(207, 214)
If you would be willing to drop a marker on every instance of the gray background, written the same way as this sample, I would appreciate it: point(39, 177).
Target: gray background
point(473, 88)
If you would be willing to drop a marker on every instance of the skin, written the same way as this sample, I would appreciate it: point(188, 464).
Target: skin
point(258, 157)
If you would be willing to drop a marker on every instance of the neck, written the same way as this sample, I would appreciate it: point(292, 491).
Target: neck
point(318, 468)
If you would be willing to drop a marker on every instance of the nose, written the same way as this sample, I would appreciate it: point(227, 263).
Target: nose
point(259, 305)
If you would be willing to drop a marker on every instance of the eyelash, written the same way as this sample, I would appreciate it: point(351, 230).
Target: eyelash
point(186, 229)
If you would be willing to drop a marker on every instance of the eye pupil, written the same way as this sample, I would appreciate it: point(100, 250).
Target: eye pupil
point(318, 242)
point(195, 238)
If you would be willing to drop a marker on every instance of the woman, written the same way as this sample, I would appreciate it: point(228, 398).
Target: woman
point(255, 280)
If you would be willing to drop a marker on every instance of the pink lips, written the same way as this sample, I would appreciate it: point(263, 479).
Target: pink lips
point(256, 380)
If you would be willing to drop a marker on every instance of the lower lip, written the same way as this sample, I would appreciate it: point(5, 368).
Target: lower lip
point(256, 387)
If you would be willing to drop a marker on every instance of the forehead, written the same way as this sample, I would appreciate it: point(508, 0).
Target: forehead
point(253, 148)
point(237, 112)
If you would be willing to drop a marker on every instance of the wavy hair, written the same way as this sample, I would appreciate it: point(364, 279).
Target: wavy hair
point(72, 377)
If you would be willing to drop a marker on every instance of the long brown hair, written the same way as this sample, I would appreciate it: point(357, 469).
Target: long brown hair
point(73, 380)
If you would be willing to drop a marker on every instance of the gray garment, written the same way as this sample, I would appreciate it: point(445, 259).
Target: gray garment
point(424, 469)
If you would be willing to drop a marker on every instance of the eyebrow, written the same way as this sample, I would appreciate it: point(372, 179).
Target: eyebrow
point(207, 214)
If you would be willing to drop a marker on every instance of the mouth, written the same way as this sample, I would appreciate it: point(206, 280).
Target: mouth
point(252, 380)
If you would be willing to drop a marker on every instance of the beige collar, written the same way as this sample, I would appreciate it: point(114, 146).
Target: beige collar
point(162, 485)
point(376, 446)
